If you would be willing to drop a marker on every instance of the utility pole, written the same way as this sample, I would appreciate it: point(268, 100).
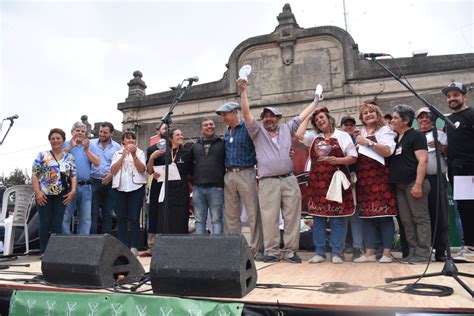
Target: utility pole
point(345, 14)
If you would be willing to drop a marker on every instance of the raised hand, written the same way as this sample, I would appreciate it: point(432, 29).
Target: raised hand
point(157, 153)
point(242, 83)
point(132, 149)
point(86, 144)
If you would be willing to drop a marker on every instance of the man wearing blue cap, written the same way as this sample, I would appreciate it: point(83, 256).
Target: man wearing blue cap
point(461, 158)
point(240, 182)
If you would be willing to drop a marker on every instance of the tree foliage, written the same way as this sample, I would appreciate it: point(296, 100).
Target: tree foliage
point(17, 177)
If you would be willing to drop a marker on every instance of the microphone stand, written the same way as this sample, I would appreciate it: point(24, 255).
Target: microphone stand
point(449, 268)
point(8, 130)
point(180, 91)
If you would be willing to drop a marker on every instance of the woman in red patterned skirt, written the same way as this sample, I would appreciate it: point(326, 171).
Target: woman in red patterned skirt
point(375, 195)
point(331, 150)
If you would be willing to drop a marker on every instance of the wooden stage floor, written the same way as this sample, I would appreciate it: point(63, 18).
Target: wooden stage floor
point(308, 278)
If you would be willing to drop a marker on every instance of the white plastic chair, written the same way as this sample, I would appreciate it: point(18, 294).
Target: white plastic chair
point(24, 200)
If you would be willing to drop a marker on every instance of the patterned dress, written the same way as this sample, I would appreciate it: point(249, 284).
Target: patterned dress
point(320, 177)
point(375, 195)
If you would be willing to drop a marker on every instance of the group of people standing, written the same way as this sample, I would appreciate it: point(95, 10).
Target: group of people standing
point(396, 172)
point(364, 178)
point(75, 176)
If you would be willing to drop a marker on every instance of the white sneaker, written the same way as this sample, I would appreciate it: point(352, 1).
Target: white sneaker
point(317, 259)
point(134, 251)
point(337, 259)
point(385, 259)
point(465, 255)
point(365, 258)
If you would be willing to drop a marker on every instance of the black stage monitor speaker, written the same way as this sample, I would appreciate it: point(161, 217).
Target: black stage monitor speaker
point(199, 265)
point(93, 260)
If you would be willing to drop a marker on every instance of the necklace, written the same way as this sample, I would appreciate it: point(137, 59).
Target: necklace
point(173, 155)
point(231, 139)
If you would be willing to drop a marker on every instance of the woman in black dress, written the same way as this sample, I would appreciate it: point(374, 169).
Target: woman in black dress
point(178, 190)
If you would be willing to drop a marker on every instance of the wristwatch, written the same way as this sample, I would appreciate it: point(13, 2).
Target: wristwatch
point(370, 144)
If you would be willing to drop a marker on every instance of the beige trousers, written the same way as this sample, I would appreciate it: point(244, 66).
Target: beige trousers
point(241, 188)
point(275, 195)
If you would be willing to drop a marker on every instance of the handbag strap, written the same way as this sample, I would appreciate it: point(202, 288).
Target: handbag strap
point(56, 160)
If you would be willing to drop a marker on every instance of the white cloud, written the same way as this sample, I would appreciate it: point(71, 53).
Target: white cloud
point(62, 59)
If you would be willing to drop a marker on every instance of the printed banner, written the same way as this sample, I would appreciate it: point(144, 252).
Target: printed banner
point(25, 303)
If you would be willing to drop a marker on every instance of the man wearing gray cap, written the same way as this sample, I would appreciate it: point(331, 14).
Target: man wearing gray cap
point(240, 182)
point(278, 187)
point(461, 158)
point(438, 215)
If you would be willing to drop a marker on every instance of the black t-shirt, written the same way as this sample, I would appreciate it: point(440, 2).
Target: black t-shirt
point(207, 144)
point(403, 162)
point(461, 139)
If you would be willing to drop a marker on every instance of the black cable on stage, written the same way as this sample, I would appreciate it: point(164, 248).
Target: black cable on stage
point(428, 289)
point(327, 287)
point(145, 279)
point(418, 289)
point(340, 288)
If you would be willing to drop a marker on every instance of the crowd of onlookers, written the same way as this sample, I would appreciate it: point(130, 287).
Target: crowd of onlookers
point(366, 178)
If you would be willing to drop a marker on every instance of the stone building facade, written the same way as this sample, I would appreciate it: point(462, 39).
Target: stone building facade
point(287, 64)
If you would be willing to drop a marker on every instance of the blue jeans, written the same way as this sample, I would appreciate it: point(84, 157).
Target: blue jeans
point(212, 199)
point(128, 206)
point(82, 202)
point(457, 220)
point(336, 239)
point(356, 229)
point(50, 218)
point(387, 230)
point(102, 198)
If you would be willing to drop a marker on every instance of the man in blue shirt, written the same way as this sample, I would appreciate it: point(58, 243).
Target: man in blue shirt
point(101, 177)
point(79, 147)
point(240, 182)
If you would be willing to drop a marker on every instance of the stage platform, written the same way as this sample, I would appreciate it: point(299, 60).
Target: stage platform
point(297, 289)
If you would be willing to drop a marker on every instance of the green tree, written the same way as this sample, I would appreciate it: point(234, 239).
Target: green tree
point(17, 177)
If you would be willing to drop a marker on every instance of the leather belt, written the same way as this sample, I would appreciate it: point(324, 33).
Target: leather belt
point(84, 182)
point(280, 176)
point(236, 169)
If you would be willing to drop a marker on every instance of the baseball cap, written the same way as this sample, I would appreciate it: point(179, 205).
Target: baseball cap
point(347, 118)
point(422, 110)
point(227, 107)
point(272, 110)
point(455, 86)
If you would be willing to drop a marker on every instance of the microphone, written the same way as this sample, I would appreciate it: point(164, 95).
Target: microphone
point(11, 118)
point(192, 79)
point(371, 55)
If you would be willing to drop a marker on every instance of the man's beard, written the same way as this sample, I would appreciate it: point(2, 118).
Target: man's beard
point(457, 106)
point(271, 127)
